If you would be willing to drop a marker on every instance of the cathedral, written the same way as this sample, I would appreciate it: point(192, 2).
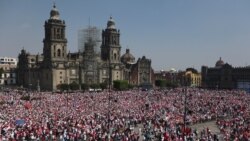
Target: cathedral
point(56, 65)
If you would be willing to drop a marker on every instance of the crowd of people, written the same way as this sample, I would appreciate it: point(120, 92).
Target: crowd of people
point(124, 115)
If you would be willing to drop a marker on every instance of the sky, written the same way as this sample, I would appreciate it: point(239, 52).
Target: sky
point(172, 33)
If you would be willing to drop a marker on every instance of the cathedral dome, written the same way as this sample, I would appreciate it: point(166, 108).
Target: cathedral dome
point(219, 63)
point(54, 13)
point(111, 23)
point(127, 57)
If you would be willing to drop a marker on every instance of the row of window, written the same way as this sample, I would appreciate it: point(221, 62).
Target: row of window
point(6, 82)
point(58, 33)
point(13, 63)
point(7, 75)
point(113, 40)
point(6, 68)
point(7, 59)
point(55, 47)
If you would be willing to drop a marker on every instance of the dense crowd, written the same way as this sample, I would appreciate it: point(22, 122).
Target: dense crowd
point(124, 115)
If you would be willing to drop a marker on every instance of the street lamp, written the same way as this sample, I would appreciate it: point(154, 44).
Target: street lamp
point(67, 92)
point(80, 76)
point(28, 77)
point(29, 85)
point(184, 90)
point(38, 85)
point(109, 98)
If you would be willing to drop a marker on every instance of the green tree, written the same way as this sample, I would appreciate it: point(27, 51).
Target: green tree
point(161, 83)
point(168, 84)
point(131, 86)
point(84, 86)
point(120, 84)
point(174, 84)
point(165, 83)
point(103, 85)
point(74, 86)
point(63, 87)
point(94, 86)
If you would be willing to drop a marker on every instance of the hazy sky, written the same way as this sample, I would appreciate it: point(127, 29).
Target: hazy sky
point(172, 33)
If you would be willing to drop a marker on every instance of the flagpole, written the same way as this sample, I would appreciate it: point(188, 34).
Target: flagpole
point(185, 110)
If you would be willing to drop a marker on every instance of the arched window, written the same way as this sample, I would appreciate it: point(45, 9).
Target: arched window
point(62, 34)
point(115, 56)
point(54, 33)
point(58, 53)
point(114, 40)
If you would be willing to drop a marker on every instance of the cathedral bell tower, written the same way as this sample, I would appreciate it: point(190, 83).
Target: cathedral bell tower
point(110, 49)
point(55, 42)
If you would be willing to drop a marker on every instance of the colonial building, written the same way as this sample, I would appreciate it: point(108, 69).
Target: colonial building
point(138, 73)
point(191, 77)
point(224, 76)
point(56, 65)
point(8, 74)
point(171, 75)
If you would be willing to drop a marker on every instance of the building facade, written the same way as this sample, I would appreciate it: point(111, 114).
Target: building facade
point(191, 77)
point(8, 73)
point(224, 76)
point(171, 75)
point(138, 73)
point(56, 65)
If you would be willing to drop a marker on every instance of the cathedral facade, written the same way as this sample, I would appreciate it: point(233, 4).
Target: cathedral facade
point(56, 65)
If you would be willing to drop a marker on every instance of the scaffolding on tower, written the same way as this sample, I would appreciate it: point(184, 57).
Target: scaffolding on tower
point(89, 34)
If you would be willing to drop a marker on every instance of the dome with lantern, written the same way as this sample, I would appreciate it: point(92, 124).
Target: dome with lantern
point(54, 13)
point(128, 58)
point(219, 63)
point(111, 23)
